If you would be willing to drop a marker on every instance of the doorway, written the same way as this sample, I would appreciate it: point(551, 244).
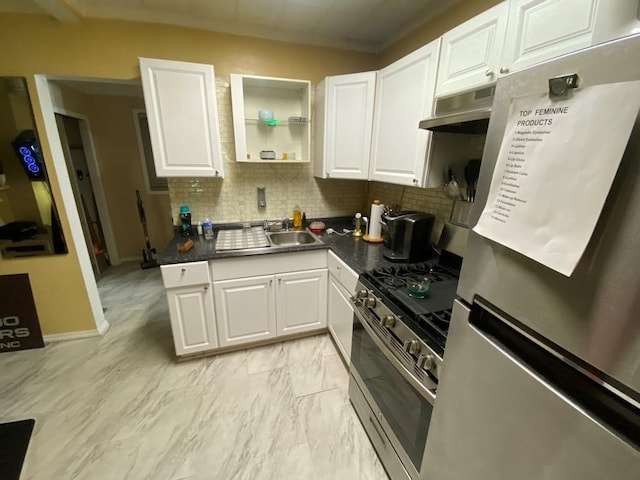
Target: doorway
point(76, 154)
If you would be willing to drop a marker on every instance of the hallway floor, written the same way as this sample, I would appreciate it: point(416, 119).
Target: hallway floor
point(121, 407)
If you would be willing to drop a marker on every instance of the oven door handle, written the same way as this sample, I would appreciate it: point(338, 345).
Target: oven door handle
point(427, 394)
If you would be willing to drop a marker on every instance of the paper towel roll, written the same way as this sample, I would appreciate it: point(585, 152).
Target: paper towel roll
point(375, 229)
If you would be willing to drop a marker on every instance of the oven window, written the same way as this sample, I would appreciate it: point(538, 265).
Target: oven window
point(406, 411)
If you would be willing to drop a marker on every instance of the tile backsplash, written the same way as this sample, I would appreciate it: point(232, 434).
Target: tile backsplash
point(235, 197)
point(429, 200)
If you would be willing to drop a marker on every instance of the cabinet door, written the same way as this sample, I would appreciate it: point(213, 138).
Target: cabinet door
point(340, 317)
point(245, 310)
point(541, 29)
point(471, 52)
point(404, 96)
point(348, 123)
point(302, 301)
point(182, 111)
point(192, 319)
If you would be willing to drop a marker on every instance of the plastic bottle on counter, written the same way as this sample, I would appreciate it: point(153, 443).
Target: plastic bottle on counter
point(297, 218)
point(185, 221)
point(207, 228)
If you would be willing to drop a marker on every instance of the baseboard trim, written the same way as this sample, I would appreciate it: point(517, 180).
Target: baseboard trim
point(60, 337)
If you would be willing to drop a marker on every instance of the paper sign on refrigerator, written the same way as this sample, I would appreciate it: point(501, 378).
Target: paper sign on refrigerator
point(555, 167)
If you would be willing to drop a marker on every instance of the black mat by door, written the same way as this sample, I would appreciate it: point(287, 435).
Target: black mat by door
point(14, 440)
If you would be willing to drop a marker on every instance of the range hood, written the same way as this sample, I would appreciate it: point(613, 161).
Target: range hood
point(466, 112)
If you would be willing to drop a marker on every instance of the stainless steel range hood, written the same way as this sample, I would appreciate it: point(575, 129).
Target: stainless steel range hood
point(466, 112)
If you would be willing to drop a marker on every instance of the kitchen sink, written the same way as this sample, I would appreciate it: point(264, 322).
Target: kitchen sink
point(290, 239)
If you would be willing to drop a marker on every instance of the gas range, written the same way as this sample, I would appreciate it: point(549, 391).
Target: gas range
point(427, 317)
point(397, 349)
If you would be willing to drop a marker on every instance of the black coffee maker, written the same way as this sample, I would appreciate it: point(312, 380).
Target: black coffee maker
point(406, 236)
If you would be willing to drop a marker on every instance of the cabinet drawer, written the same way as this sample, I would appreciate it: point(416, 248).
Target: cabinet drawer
point(183, 274)
point(272, 264)
point(342, 272)
point(334, 264)
point(349, 279)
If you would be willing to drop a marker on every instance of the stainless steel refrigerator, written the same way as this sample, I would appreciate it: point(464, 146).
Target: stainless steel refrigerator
point(541, 372)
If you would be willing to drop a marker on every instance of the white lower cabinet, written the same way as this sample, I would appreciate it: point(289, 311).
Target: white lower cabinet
point(193, 322)
point(340, 317)
point(342, 285)
point(245, 310)
point(258, 298)
point(192, 319)
point(235, 301)
point(301, 302)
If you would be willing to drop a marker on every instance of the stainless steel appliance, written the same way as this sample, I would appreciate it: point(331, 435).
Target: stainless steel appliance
point(466, 112)
point(396, 354)
point(406, 236)
point(541, 376)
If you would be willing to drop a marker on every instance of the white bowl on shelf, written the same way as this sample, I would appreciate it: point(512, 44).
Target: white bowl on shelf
point(265, 115)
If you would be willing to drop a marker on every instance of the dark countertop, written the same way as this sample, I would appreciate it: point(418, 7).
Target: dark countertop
point(354, 251)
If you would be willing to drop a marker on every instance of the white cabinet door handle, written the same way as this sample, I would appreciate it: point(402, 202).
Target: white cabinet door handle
point(270, 282)
point(184, 270)
point(504, 70)
point(489, 73)
point(206, 287)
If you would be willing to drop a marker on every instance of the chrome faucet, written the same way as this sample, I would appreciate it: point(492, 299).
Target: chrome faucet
point(285, 224)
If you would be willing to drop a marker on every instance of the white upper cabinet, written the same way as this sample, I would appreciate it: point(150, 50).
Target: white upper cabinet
point(271, 119)
point(342, 125)
point(471, 52)
point(404, 96)
point(518, 33)
point(182, 111)
point(542, 29)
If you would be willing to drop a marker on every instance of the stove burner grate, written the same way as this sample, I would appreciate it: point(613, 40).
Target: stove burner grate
point(437, 325)
point(397, 276)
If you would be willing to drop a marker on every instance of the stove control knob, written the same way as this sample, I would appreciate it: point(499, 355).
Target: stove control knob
point(388, 321)
point(362, 294)
point(370, 302)
point(426, 361)
point(412, 347)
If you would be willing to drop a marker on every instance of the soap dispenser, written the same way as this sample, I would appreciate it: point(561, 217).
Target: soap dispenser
point(297, 218)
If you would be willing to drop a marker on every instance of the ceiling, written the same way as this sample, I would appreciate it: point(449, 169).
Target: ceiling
point(363, 25)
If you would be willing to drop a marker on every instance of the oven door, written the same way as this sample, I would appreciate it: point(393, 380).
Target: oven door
point(398, 400)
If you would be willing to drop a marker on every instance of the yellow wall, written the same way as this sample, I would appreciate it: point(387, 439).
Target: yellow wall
point(34, 44)
point(116, 143)
point(110, 49)
point(58, 288)
point(113, 131)
point(440, 24)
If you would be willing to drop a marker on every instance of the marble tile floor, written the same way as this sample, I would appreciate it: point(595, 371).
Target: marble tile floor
point(120, 406)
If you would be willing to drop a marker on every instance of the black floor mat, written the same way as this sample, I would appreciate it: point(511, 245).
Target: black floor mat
point(14, 440)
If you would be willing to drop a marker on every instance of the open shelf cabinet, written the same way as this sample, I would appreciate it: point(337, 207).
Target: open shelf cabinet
point(288, 134)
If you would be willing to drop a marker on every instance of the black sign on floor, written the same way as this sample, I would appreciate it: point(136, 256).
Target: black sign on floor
point(19, 325)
